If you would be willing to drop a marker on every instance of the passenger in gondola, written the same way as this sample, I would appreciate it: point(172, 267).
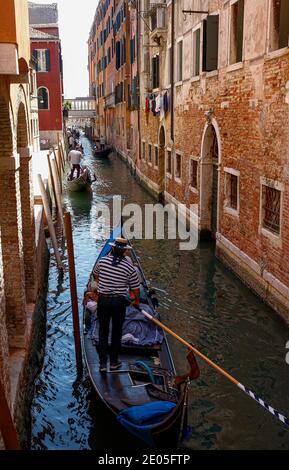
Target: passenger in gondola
point(90, 303)
point(71, 142)
point(114, 275)
point(75, 157)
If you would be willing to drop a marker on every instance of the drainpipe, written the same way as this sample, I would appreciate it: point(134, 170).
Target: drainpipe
point(172, 70)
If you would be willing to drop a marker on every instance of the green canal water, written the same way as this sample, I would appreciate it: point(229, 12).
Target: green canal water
point(202, 301)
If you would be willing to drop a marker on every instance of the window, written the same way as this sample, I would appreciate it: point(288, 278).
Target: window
point(211, 43)
point(150, 153)
point(132, 50)
point(156, 72)
point(236, 34)
point(143, 150)
point(271, 209)
point(118, 58)
point(180, 61)
point(279, 33)
point(169, 162)
point(196, 52)
point(232, 189)
point(156, 156)
point(194, 174)
point(42, 59)
point(43, 98)
point(178, 166)
point(108, 55)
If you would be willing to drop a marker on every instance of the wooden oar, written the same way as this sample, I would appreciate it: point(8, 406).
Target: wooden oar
point(212, 364)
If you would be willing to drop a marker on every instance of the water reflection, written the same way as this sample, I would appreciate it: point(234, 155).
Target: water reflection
point(202, 301)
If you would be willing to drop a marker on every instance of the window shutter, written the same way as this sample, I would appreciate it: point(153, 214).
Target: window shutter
point(124, 52)
point(284, 24)
point(240, 29)
point(157, 71)
point(47, 58)
point(35, 55)
point(198, 50)
point(204, 45)
point(211, 43)
point(117, 55)
point(154, 72)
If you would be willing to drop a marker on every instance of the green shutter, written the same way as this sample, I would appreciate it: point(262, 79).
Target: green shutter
point(284, 24)
point(211, 43)
point(198, 50)
point(240, 30)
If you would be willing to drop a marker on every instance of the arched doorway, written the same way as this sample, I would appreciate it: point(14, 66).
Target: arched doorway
point(162, 164)
point(11, 231)
point(210, 162)
point(27, 204)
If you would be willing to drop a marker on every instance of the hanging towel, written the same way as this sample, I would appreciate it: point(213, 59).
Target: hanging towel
point(162, 111)
point(147, 106)
point(158, 104)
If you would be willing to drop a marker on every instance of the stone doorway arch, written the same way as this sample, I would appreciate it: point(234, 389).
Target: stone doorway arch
point(162, 164)
point(210, 181)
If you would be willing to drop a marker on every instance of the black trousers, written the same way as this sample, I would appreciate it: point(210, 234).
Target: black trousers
point(77, 168)
point(110, 309)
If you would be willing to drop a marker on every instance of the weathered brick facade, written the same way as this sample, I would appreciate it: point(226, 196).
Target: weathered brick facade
point(113, 75)
point(213, 127)
point(18, 280)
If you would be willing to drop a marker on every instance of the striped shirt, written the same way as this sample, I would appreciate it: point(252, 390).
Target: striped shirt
point(116, 279)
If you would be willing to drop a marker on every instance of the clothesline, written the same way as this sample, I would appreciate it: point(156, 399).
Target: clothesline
point(157, 103)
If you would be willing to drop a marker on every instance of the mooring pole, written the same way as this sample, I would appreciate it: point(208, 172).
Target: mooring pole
point(57, 189)
point(52, 180)
point(73, 290)
point(58, 168)
point(7, 427)
point(49, 222)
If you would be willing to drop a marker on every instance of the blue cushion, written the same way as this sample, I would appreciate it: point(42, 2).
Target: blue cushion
point(147, 413)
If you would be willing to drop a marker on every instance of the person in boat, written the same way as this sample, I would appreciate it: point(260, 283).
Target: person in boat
point(102, 142)
point(114, 275)
point(75, 157)
point(90, 302)
point(71, 142)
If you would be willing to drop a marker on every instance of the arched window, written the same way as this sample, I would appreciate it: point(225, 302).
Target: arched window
point(43, 98)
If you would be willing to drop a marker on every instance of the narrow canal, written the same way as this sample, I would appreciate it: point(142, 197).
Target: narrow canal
point(202, 301)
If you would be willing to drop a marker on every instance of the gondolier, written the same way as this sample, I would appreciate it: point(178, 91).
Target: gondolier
point(115, 275)
point(75, 157)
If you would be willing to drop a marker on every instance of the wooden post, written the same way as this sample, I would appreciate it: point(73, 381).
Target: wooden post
point(60, 147)
point(50, 222)
point(60, 159)
point(73, 290)
point(57, 188)
point(52, 181)
point(58, 169)
point(7, 427)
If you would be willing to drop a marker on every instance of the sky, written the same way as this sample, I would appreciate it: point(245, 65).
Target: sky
point(75, 20)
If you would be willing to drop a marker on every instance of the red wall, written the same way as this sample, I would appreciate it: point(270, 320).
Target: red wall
point(51, 119)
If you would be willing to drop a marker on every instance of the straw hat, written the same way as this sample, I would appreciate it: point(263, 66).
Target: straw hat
point(121, 243)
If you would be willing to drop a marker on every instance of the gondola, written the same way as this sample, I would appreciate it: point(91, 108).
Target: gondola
point(83, 183)
point(144, 396)
point(102, 153)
